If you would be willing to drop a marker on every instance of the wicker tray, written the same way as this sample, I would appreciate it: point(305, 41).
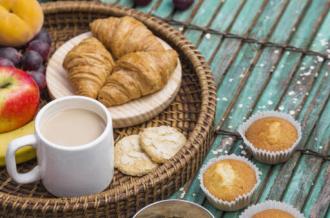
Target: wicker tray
point(192, 111)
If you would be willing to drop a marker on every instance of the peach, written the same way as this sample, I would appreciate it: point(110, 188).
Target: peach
point(20, 21)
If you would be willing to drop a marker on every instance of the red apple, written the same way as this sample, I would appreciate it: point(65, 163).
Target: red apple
point(19, 98)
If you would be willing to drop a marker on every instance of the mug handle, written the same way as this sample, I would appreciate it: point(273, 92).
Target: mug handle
point(21, 178)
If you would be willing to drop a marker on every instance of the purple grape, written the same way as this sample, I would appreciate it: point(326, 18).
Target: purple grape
point(41, 69)
point(11, 54)
point(31, 60)
point(141, 2)
point(182, 4)
point(39, 78)
point(6, 63)
point(41, 47)
point(44, 36)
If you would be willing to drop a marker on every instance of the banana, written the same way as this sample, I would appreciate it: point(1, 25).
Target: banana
point(24, 154)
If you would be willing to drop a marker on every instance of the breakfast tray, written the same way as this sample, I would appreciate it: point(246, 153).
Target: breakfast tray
point(192, 112)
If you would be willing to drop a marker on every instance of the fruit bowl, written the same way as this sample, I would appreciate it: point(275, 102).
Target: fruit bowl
point(192, 112)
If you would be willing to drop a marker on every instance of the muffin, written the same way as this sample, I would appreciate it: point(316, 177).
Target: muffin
point(229, 182)
point(275, 213)
point(229, 179)
point(271, 136)
point(274, 209)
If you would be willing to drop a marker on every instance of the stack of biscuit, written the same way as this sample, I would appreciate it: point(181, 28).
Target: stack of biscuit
point(137, 155)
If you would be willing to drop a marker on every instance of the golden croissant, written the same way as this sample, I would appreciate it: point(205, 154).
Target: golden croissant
point(136, 75)
point(124, 35)
point(88, 65)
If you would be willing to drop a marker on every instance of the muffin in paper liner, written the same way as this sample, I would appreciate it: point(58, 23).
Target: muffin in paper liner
point(270, 157)
point(241, 201)
point(270, 204)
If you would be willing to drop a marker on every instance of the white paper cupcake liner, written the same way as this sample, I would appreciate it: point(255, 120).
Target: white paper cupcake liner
point(270, 204)
point(241, 201)
point(270, 157)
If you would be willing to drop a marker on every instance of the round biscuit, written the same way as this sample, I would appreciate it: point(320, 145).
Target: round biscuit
point(161, 143)
point(130, 158)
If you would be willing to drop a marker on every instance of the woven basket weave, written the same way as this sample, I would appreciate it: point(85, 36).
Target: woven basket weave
point(192, 112)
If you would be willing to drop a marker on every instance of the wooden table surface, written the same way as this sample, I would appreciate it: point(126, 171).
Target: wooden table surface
point(257, 67)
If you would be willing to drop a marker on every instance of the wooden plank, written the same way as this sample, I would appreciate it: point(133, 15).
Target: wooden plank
point(224, 21)
point(287, 24)
point(285, 171)
point(221, 112)
point(198, 193)
point(148, 8)
point(278, 82)
point(260, 75)
point(307, 169)
point(267, 102)
point(246, 19)
point(177, 195)
point(165, 9)
point(318, 202)
point(272, 173)
point(188, 15)
point(228, 13)
point(235, 78)
point(301, 39)
point(270, 16)
point(192, 194)
point(203, 17)
point(294, 190)
point(245, 22)
point(322, 39)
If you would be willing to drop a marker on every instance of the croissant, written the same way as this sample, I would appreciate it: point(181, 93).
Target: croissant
point(136, 75)
point(88, 65)
point(124, 35)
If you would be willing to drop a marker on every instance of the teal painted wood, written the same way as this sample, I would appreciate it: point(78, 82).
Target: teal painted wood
point(203, 17)
point(165, 9)
point(222, 21)
point(230, 80)
point(262, 67)
point(188, 14)
point(318, 188)
point(253, 78)
point(294, 9)
point(126, 3)
point(277, 190)
point(148, 9)
point(192, 195)
point(242, 25)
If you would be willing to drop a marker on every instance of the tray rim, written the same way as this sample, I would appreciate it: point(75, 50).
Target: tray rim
point(205, 119)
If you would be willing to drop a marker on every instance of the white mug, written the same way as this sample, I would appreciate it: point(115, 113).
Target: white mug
point(68, 170)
